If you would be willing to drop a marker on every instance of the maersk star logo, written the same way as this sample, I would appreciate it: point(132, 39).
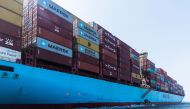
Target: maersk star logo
point(81, 24)
point(43, 43)
point(81, 33)
point(44, 2)
point(81, 49)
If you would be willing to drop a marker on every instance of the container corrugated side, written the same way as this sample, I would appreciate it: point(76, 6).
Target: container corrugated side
point(87, 44)
point(109, 66)
point(53, 47)
point(87, 36)
point(56, 9)
point(88, 67)
point(10, 29)
point(110, 48)
point(88, 59)
point(109, 73)
point(10, 17)
point(107, 58)
point(45, 23)
point(84, 26)
point(12, 5)
point(87, 51)
point(44, 13)
point(53, 57)
point(43, 33)
point(110, 54)
point(10, 42)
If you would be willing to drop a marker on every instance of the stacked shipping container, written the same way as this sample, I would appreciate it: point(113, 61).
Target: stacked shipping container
point(148, 69)
point(47, 35)
point(124, 61)
point(10, 30)
point(86, 43)
point(135, 67)
point(108, 53)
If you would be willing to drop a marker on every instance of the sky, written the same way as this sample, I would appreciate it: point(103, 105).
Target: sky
point(160, 27)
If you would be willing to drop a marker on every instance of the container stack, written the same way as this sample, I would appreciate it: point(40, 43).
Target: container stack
point(163, 75)
point(147, 65)
point(158, 79)
point(135, 67)
point(10, 30)
point(108, 52)
point(124, 61)
point(47, 35)
point(152, 78)
point(86, 56)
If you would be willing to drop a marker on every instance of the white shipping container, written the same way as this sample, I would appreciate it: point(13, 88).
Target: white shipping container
point(9, 55)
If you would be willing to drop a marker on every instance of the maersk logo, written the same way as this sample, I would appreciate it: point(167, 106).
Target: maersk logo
point(57, 48)
point(43, 43)
point(58, 10)
point(53, 47)
point(44, 2)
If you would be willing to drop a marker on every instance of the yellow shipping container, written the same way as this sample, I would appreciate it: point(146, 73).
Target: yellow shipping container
point(20, 1)
point(10, 17)
point(12, 5)
point(87, 44)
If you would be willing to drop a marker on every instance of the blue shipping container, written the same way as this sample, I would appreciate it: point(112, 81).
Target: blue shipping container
point(56, 9)
point(135, 57)
point(87, 36)
point(84, 26)
point(88, 52)
point(53, 47)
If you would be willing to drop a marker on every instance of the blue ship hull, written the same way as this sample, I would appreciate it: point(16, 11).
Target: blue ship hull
point(41, 86)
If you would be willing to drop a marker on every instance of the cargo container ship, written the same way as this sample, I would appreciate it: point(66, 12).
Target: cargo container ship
point(50, 56)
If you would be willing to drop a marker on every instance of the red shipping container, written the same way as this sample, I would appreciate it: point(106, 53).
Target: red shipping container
point(104, 33)
point(108, 47)
point(53, 57)
point(107, 40)
point(125, 76)
point(85, 58)
point(10, 29)
point(10, 42)
point(109, 73)
point(88, 67)
point(123, 45)
point(42, 22)
point(125, 70)
point(43, 33)
point(109, 59)
point(124, 65)
point(124, 53)
point(109, 66)
point(110, 54)
point(56, 19)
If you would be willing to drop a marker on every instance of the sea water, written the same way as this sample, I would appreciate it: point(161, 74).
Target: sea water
point(177, 106)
